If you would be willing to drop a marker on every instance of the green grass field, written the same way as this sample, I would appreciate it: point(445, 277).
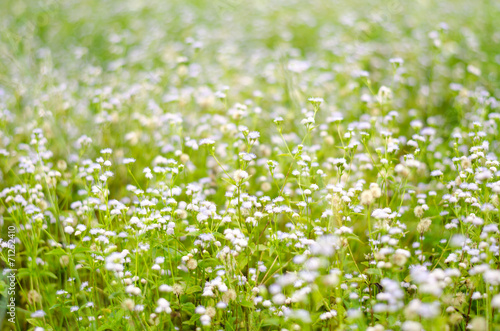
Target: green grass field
point(249, 165)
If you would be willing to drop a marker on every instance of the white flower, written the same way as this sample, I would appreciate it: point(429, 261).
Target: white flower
point(278, 120)
point(38, 314)
point(495, 302)
point(106, 151)
point(240, 175)
point(317, 101)
point(397, 60)
point(163, 306)
point(254, 135)
point(436, 173)
point(207, 142)
point(165, 288)
point(205, 320)
point(411, 326)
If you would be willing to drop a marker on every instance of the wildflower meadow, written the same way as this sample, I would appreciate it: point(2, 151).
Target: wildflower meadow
point(249, 165)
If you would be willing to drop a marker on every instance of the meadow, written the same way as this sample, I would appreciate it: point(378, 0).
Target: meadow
point(249, 165)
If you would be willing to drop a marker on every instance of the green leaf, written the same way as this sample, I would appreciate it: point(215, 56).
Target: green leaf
point(207, 262)
point(56, 251)
point(272, 321)
point(193, 234)
point(23, 273)
point(192, 320)
point(261, 247)
point(352, 236)
point(188, 307)
point(193, 289)
point(246, 303)
point(318, 299)
point(374, 271)
point(242, 263)
point(34, 321)
point(80, 250)
point(48, 274)
point(228, 180)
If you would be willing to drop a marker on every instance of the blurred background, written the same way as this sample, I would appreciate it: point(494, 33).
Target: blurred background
point(114, 70)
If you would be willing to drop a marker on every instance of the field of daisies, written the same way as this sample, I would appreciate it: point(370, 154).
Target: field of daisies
point(249, 165)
